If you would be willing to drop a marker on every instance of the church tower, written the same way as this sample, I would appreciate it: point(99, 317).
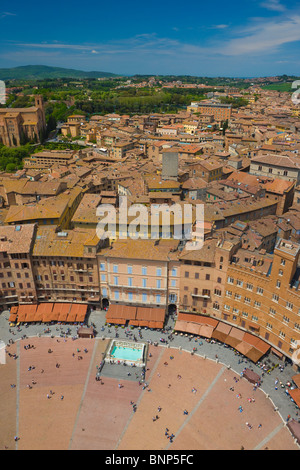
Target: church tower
point(39, 103)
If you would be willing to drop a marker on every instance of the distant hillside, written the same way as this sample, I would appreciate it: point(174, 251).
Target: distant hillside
point(36, 72)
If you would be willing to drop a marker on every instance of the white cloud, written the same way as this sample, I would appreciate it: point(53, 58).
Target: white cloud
point(220, 26)
point(265, 36)
point(4, 14)
point(273, 5)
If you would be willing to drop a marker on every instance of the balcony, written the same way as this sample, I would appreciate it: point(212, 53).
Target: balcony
point(201, 296)
point(123, 286)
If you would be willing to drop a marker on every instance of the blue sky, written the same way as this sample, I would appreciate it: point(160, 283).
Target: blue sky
point(216, 38)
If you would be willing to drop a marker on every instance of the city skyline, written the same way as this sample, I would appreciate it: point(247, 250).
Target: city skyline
point(259, 38)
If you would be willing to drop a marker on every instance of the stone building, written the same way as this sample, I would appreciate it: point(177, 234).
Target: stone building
point(18, 125)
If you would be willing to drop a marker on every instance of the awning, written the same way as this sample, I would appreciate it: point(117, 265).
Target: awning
point(277, 353)
point(251, 339)
point(234, 337)
point(254, 355)
point(156, 325)
point(296, 379)
point(221, 332)
point(117, 321)
point(200, 319)
point(122, 313)
point(71, 318)
point(180, 325)
point(43, 312)
point(64, 312)
point(22, 312)
point(206, 331)
point(30, 315)
point(150, 315)
point(13, 314)
point(258, 347)
point(295, 394)
point(47, 315)
point(193, 328)
point(129, 312)
point(243, 348)
point(81, 314)
point(262, 346)
point(56, 311)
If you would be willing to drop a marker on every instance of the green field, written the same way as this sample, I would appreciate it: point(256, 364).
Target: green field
point(287, 86)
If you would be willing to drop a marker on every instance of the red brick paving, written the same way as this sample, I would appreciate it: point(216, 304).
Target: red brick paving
point(95, 416)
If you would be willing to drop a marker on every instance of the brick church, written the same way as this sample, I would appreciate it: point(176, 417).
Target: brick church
point(18, 125)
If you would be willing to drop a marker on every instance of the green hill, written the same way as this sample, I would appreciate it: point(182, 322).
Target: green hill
point(36, 72)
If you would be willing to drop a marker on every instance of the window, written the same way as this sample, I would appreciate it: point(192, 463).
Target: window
point(129, 269)
point(116, 280)
point(130, 296)
point(230, 280)
point(158, 271)
point(257, 304)
point(115, 268)
point(239, 283)
point(158, 299)
point(130, 279)
point(174, 272)
point(228, 293)
point(144, 297)
point(282, 262)
point(102, 266)
point(278, 284)
point(158, 283)
point(275, 298)
point(289, 305)
point(247, 300)
point(103, 277)
point(259, 291)
point(249, 286)
point(104, 291)
point(144, 270)
point(186, 274)
point(272, 311)
point(173, 283)
point(207, 277)
point(144, 282)
point(117, 295)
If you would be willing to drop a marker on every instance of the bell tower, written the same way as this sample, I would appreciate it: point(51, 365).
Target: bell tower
point(39, 103)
